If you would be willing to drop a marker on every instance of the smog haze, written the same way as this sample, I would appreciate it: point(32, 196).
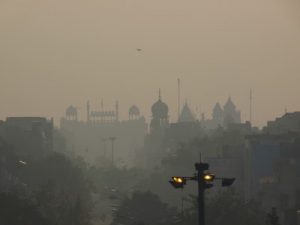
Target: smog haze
point(56, 53)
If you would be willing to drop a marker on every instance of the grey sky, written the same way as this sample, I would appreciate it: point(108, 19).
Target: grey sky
point(55, 53)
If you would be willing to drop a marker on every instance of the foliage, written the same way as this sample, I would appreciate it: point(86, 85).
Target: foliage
point(16, 211)
point(227, 208)
point(144, 208)
point(60, 188)
point(52, 188)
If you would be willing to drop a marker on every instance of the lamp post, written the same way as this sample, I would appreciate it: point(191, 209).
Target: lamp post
point(112, 139)
point(104, 140)
point(204, 180)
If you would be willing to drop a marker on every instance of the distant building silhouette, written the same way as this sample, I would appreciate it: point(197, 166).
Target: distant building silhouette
point(289, 122)
point(218, 114)
point(231, 115)
point(90, 138)
point(271, 170)
point(30, 136)
point(134, 113)
point(102, 115)
point(186, 114)
point(223, 117)
point(160, 118)
point(71, 113)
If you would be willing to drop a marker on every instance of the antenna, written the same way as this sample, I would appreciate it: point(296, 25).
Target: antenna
point(178, 80)
point(159, 94)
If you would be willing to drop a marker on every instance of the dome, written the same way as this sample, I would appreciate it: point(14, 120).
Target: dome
point(71, 111)
point(134, 110)
point(160, 109)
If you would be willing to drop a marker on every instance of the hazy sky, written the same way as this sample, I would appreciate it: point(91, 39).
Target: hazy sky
point(54, 53)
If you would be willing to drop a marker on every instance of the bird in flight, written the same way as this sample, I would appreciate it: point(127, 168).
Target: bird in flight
point(139, 49)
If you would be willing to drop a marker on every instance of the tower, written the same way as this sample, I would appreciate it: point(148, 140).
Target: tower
point(218, 114)
point(231, 115)
point(159, 114)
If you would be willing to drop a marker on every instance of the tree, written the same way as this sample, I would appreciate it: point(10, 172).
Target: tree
point(227, 208)
point(16, 211)
point(61, 190)
point(58, 188)
point(144, 208)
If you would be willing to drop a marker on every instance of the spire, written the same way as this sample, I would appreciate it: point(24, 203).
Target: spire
point(159, 94)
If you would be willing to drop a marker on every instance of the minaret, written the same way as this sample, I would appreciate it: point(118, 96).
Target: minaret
point(117, 111)
point(88, 111)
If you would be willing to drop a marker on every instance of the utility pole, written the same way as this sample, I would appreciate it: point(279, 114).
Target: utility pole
point(201, 200)
point(112, 139)
point(178, 100)
point(104, 140)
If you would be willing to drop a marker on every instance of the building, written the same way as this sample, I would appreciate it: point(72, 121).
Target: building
point(272, 169)
point(30, 136)
point(154, 150)
point(222, 117)
point(289, 122)
point(230, 114)
point(186, 129)
point(186, 115)
point(102, 138)
point(160, 117)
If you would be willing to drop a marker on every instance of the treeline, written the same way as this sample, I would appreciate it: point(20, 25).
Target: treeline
point(60, 189)
point(52, 190)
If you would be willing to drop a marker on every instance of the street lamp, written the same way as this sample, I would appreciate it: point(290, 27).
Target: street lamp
point(204, 180)
point(104, 140)
point(112, 139)
point(209, 177)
